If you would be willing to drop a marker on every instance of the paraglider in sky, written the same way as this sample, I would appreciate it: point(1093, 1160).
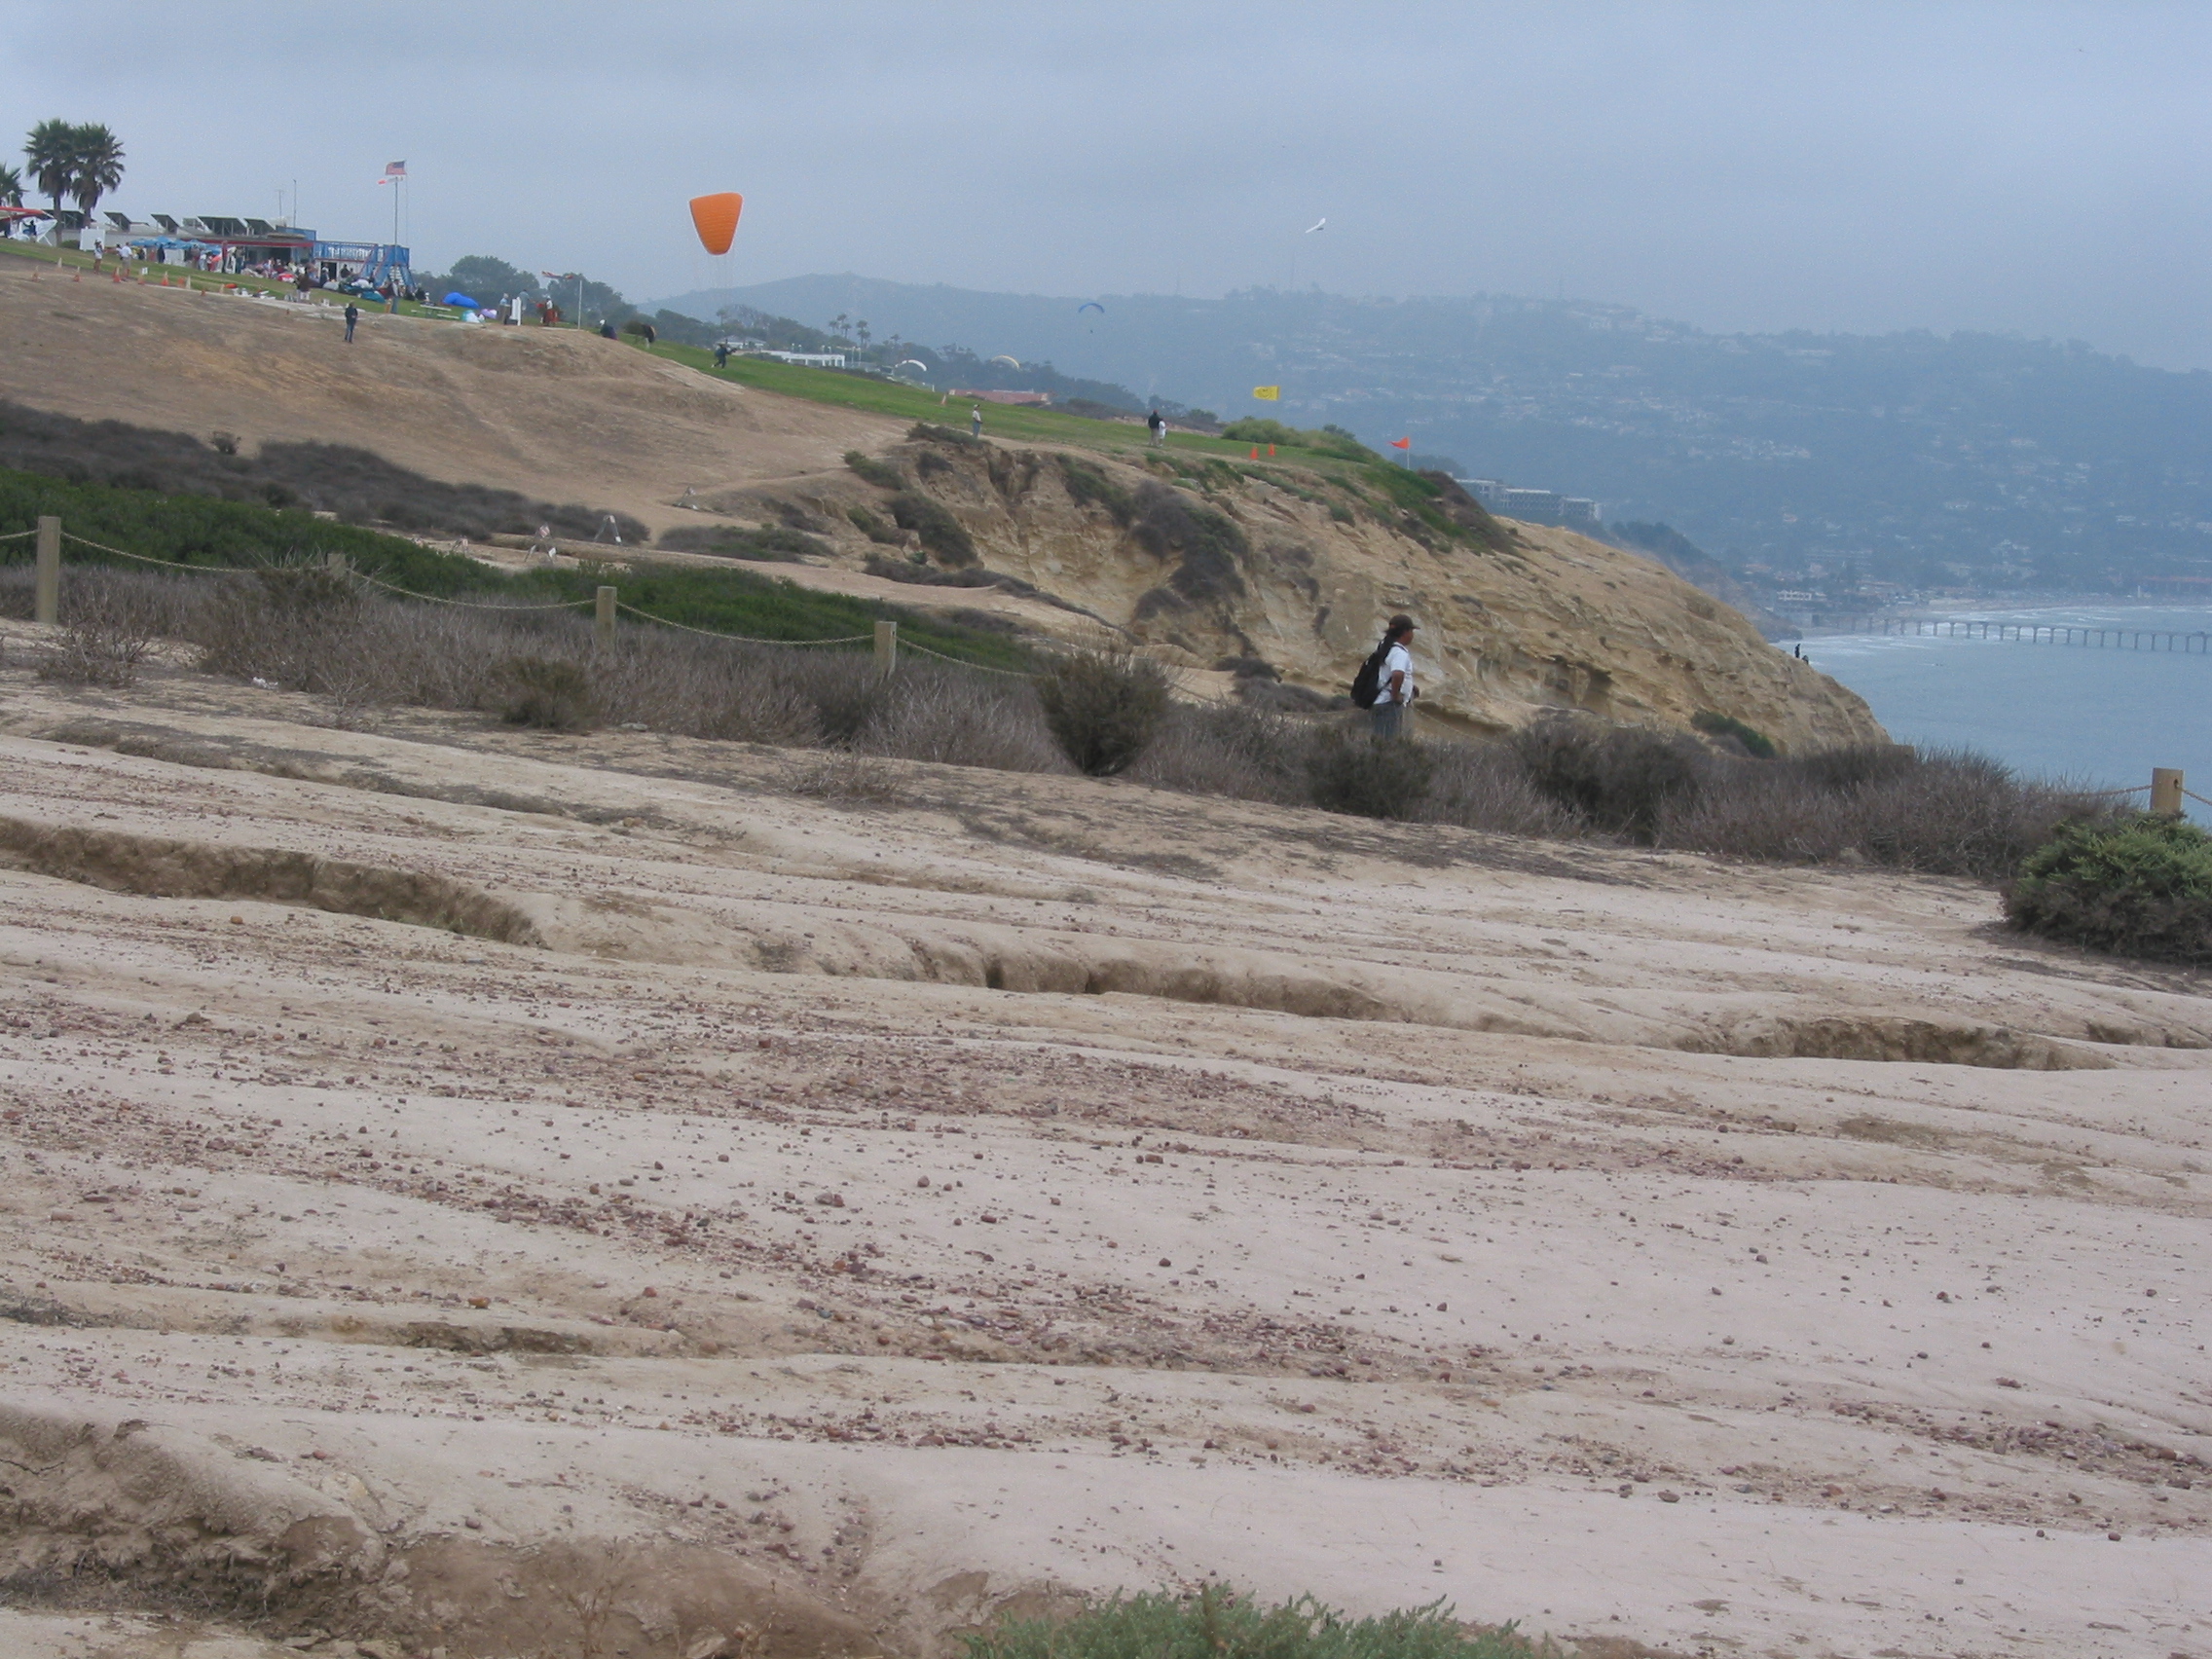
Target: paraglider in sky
point(1009, 362)
point(1322, 224)
point(913, 363)
point(1090, 305)
point(1268, 393)
point(715, 218)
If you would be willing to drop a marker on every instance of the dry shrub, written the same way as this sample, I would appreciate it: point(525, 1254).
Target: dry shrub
point(960, 720)
point(1620, 779)
point(110, 624)
point(1103, 707)
point(1235, 750)
point(1370, 776)
point(1482, 785)
point(846, 779)
point(1944, 812)
point(284, 623)
point(546, 695)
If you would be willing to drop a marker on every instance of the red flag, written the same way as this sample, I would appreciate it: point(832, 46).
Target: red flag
point(1401, 443)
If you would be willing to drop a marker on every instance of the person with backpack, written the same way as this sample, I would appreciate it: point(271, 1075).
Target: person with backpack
point(352, 318)
point(1158, 422)
point(1384, 685)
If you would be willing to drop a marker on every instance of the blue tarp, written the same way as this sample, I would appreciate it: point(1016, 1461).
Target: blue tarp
point(462, 300)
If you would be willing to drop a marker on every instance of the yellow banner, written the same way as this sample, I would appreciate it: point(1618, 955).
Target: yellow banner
point(1268, 393)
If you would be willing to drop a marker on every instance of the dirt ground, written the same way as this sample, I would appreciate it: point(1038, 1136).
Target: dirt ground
point(478, 1191)
point(557, 414)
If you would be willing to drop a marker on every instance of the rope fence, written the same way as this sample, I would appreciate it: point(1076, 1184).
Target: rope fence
point(744, 639)
point(980, 667)
point(606, 603)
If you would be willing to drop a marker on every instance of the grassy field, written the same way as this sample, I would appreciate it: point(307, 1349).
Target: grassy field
point(1007, 422)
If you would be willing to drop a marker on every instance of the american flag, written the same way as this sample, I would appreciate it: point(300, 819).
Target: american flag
point(394, 173)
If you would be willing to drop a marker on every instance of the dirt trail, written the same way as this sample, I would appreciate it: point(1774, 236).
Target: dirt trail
point(556, 414)
point(889, 1192)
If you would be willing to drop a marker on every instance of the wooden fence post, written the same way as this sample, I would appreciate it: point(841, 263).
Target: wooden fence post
point(2166, 790)
point(886, 646)
point(46, 604)
point(603, 618)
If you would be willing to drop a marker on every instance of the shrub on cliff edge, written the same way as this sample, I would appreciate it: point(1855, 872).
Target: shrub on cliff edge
point(2138, 887)
point(1221, 1624)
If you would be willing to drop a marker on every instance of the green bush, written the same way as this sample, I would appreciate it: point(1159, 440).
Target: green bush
point(943, 535)
point(1089, 485)
point(1103, 708)
point(546, 694)
point(1370, 778)
point(1221, 1624)
point(881, 473)
point(2139, 887)
point(1620, 779)
point(1757, 743)
point(1329, 440)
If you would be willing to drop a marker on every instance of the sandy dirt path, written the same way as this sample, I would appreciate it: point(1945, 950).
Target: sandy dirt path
point(888, 1194)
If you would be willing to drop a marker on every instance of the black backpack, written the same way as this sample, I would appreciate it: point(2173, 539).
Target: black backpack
point(1367, 683)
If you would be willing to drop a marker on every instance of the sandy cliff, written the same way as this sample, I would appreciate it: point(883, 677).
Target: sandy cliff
point(1300, 570)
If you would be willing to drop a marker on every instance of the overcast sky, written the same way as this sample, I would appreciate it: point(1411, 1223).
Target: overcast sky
point(2017, 167)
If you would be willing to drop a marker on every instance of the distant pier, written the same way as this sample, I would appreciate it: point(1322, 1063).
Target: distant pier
point(2031, 634)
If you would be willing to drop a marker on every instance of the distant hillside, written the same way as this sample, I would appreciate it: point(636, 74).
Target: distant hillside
point(1916, 457)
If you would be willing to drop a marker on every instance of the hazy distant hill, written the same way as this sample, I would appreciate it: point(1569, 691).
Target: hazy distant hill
point(1899, 454)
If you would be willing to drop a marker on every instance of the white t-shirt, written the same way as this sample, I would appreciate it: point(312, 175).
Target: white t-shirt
point(1399, 661)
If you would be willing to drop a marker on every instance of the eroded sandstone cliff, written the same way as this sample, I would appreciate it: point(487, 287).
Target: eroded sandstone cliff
point(1207, 561)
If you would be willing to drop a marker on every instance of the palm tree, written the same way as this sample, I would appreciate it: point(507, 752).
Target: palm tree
point(11, 196)
point(95, 165)
point(51, 149)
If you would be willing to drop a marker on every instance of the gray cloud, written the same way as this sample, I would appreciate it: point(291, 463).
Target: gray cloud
point(1865, 167)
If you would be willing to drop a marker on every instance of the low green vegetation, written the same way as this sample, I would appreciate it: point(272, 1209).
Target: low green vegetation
point(201, 533)
point(2139, 886)
point(1327, 440)
point(1757, 743)
point(1221, 1624)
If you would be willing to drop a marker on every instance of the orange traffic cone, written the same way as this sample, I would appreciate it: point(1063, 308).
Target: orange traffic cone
point(1271, 449)
point(76, 275)
point(1255, 452)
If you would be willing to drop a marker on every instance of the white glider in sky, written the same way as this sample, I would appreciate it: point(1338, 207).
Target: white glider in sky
point(1310, 229)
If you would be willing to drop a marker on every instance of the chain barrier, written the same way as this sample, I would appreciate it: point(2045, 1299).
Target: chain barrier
point(465, 603)
point(140, 558)
point(741, 638)
point(961, 662)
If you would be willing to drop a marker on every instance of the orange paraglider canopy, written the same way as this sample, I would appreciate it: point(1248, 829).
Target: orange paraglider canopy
point(715, 217)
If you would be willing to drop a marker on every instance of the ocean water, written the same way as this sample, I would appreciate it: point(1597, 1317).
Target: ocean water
point(2102, 716)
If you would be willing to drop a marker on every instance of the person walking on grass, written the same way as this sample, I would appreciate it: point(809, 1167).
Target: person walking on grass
point(1394, 688)
point(1157, 423)
point(352, 316)
point(975, 420)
